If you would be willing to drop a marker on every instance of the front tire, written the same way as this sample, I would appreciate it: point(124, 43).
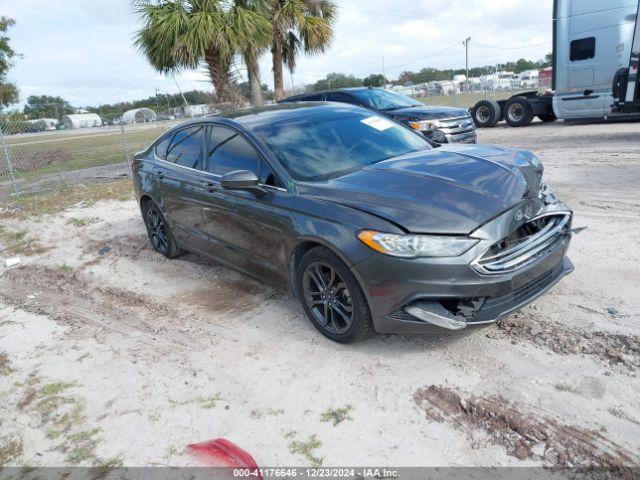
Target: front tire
point(332, 297)
point(160, 235)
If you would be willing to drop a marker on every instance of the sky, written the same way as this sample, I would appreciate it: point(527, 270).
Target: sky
point(83, 50)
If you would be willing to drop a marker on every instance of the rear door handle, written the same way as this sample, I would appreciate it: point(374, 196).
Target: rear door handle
point(158, 173)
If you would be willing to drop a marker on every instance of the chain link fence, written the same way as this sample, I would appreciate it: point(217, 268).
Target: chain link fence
point(37, 156)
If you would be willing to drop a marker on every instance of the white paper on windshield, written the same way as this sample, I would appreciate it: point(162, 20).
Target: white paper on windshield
point(378, 123)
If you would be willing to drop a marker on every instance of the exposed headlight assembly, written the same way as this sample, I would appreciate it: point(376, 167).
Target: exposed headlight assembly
point(412, 246)
point(425, 125)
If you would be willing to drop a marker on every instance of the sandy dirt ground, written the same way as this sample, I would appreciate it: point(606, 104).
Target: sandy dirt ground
point(112, 355)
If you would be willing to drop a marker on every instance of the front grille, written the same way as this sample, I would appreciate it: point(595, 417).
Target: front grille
point(456, 125)
point(529, 242)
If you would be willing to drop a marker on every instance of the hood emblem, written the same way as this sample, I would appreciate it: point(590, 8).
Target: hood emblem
point(519, 215)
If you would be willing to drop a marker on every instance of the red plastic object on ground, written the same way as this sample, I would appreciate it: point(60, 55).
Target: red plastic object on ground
point(223, 453)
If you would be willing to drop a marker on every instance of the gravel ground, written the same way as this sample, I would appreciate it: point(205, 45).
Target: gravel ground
point(112, 355)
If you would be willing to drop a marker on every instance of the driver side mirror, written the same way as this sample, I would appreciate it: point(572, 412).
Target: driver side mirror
point(242, 180)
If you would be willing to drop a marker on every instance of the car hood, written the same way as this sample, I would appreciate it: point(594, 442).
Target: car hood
point(428, 112)
point(450, 190)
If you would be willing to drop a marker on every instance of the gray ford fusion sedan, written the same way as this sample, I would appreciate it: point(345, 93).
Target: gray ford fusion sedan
point(372, 228)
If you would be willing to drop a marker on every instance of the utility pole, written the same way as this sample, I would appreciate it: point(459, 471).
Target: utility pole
point(466, 48)
point(383, 74)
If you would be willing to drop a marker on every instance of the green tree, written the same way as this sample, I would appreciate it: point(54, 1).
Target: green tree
point(180, 34)
point(522, 65)
point(375, 80)
point(8, 91)
point(46, 106)
point(336, 80)
point(298, 25)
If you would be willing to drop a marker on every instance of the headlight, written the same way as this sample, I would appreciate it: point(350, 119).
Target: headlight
point(425, 125)
point(411, 246)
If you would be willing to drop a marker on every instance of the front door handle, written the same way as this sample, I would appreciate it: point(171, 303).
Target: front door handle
point(211, 187)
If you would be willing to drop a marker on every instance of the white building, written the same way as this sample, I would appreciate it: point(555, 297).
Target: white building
point(47, 123)
point(139, 115)
point(82, 120)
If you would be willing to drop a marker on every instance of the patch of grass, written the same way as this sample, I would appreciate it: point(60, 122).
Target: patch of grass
point(80, 446)
point(66, 268)
point(337, 415)
point(306, 449)
point(45, 203)
point(103, 467)
point(10, 450)
point(82, 222)
point(5, 365)
point(18, 242)
point(290, 434)
point(202, 402)
point(84, 435)
point(55, 388)
point(154, 417)
point(173, 451)
point(80, 454)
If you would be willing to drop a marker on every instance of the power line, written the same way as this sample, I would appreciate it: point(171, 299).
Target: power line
point(433, 54)
point(512, 48)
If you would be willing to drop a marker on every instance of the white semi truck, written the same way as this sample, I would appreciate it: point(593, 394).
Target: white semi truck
point(593, 45)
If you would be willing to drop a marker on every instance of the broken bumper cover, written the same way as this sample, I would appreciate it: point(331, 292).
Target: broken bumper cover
point(434, 294)
point(482, 310)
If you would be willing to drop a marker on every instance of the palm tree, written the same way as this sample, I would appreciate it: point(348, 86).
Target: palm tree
point(305, 25)
point(255, 48)
point(182, 33)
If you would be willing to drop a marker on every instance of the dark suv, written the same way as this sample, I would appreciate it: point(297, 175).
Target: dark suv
point(371, 227)
point(439, 124)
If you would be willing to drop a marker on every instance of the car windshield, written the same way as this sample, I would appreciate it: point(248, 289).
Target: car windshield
point(384, 100)
point(329, 143)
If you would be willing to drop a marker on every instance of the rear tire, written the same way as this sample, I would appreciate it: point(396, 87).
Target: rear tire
point(159, 231)
point(518, 112)
point(486, 113)
point(332, 297)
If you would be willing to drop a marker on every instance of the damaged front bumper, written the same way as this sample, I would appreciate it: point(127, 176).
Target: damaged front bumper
point(432, 294)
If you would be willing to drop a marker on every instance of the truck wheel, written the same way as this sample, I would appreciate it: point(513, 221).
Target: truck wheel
point(548, 117)
point(486, 113)
point(518, 112)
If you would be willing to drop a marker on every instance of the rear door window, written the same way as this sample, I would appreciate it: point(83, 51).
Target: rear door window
point(161, 147)
point(186, 148)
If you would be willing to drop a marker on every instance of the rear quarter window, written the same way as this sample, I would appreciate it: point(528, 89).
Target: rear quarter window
point(161, 147)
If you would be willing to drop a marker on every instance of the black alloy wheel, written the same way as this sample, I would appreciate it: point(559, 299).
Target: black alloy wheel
point(332, 297)
point(328, 298)
point(159, 231)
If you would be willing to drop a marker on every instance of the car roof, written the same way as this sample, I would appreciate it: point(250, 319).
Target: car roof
point(323, 92)
point(258, 116)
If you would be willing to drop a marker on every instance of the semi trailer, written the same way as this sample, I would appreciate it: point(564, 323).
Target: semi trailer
point(594, 43)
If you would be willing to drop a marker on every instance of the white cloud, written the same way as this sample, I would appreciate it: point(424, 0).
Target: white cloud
point(416, 28)
point(83, 50)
